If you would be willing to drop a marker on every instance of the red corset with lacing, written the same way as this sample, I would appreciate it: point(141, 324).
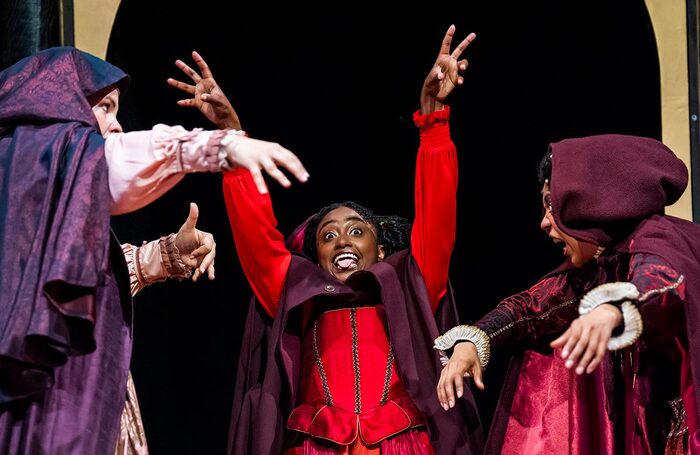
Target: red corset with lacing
point(349, 381)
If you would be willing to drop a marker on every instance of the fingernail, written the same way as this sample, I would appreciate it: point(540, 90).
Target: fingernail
point(452, 403)
point(579, 370)
point(444, 406)
point(564, 354)
point(459, 393)
point(569, 363)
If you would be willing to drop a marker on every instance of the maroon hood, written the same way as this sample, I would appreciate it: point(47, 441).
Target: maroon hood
point(603, 184)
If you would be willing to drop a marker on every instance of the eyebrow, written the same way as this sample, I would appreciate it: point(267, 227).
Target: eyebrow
point(350, 218)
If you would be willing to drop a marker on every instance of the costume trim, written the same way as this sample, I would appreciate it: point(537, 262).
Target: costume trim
point(470, 333)
point(615, 293)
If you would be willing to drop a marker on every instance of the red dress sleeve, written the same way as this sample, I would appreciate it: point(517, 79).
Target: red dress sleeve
point(264, 258)
point(433, 234)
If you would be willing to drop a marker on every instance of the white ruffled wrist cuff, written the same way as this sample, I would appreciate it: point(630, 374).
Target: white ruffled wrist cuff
point(623, 294)
point(469, 333)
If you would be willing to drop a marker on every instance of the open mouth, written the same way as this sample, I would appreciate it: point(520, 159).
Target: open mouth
point(344, 262)
point(560, 242)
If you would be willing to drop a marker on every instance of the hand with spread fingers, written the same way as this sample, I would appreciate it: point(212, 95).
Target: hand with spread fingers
point(445, 73)
point(464, 362)
point(207, 96)
point(256, 155)
point(585, 342)
point(197, 248)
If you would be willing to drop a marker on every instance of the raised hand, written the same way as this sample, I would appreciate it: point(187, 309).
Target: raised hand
point(445, 73)
point(197, 248)
point(464, 362)
point(585, 342)
point(207, 96)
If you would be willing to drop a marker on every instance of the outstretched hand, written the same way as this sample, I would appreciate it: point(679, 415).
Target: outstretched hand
point(207, 96)
point(197, 248)
point(464, 362)
point(445, 73)
point(585, 343)
point(257, 155)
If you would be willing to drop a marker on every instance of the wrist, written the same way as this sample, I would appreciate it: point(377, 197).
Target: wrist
point(477, 338)
point(428, 105)
point(617, 296)
point(614, 313)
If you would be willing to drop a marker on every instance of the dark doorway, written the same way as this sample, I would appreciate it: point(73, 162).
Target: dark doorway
point(339, 89)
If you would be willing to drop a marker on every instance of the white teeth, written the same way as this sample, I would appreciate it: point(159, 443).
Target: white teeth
point(345, 256)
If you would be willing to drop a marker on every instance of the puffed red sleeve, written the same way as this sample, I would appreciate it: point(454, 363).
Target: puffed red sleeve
point(433, 234)
point(260, 246)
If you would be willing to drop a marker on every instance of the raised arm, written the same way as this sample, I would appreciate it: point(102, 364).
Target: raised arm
point(433, 234)
point(260, 246)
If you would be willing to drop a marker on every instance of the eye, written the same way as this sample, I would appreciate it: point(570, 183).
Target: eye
point(329, 235)
point(355, 231)
point(547, 201)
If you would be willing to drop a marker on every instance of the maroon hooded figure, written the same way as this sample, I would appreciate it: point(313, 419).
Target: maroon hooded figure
point(610, 191)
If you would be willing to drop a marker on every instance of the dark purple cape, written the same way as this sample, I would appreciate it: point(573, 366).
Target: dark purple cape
point(268, 370)
point(65, 341)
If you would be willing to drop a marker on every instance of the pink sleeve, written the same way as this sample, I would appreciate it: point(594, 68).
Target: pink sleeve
point(153, 262)
point(144, 165)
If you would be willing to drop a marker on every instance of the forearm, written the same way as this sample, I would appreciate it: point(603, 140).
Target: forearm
point(544, 310)
point(152, 262)
point(144, 165)
point(260, 246)
point(519, 320)
point(433, 232)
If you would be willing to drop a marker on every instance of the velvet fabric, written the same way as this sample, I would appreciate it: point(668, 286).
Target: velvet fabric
point(65, 342)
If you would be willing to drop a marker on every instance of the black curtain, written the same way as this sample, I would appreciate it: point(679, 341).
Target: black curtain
point(338, 87)
point(26, 27)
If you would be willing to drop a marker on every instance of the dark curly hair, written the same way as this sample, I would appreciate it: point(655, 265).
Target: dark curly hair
point(544, 168)
point(393, 232)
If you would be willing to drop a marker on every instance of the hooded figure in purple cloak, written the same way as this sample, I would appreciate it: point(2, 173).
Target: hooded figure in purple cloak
point(58, 290)
point(624, 309)
point(65, 298)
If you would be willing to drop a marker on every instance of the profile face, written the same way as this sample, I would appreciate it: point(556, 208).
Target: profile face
point(106, 111)
point(346, 243)
point(578, 251)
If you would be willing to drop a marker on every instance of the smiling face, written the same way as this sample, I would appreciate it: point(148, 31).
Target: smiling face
point(578, 251)
point(106, 113)
point(346, 243)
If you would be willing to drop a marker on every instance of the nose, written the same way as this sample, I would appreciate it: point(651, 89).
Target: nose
point(546, 223)
point(342, 241)
point(115, 127)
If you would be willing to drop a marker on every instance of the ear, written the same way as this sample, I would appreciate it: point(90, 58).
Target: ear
point(380, 251)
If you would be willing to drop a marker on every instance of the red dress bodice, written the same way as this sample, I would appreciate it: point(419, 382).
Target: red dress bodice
point(350, 384)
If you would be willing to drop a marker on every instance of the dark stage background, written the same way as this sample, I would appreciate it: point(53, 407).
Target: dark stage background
point(339, 90)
